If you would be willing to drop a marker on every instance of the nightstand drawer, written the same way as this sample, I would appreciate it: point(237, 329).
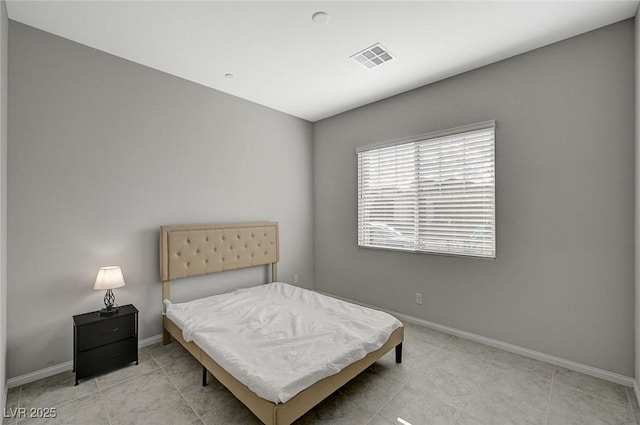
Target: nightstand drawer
point(105, 358)
point(105, 332)
point(102, 343)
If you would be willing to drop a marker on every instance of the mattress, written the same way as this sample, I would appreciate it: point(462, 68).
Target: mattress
point(278, 339)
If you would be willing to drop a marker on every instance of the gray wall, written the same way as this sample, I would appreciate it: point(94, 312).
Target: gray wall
point(102, 152)
point(637, 198)
point(562, 283)
point(4, 48)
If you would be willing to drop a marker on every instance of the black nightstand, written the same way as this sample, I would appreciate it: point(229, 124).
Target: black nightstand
point(102, 343)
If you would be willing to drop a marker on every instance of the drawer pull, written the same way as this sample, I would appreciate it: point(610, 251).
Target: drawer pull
point(114, 330)
point(113, 356)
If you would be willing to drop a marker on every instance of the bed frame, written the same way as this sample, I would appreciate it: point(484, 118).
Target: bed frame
point(192, 250)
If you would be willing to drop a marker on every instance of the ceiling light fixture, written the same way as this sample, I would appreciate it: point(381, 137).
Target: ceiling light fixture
point(320, 17)
point(372, 56)
point(228, 75)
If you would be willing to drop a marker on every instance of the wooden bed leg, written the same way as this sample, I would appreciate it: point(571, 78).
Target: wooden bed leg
point(399, 353)
point(166, 337)
point(204, 376)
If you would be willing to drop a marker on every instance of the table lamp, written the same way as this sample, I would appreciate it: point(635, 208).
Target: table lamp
point(109, 278)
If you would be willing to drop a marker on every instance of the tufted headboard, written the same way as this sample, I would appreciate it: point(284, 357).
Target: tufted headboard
point(197, 249)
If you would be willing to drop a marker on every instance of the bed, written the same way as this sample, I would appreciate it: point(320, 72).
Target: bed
point(193, 250)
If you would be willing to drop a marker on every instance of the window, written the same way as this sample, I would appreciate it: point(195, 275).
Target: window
point(432, 193)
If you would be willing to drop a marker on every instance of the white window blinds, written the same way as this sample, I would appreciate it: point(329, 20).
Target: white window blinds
point(433, 193)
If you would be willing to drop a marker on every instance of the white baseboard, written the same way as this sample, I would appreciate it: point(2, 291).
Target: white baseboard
point(64, 367)
point(150, 341)
point(558, 361)
point(40, 374)
point(525, 352)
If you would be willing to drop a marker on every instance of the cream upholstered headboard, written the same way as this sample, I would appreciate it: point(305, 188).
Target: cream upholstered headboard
point(197, 249)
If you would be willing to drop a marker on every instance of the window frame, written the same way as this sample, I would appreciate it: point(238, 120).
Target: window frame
point(426, 138)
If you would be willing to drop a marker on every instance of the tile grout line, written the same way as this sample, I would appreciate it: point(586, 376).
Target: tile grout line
point(173, 383)
point(626, 391)
point(385, 404)
point(123, 381)
point(432, 355)
point(178, 390)
point(377, 412)
point(19, 400)
point(476, 387)
point(633, 413)
point(129, 378)
point(631, 392)
point(62, 403)
point(404, 384)
point(103, 402)
point(587, 392)
point(546, 416)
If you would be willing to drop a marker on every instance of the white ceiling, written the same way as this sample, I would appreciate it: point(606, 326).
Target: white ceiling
point(281, 59)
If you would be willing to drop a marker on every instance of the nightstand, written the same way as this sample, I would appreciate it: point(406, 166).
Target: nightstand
point(103, 343)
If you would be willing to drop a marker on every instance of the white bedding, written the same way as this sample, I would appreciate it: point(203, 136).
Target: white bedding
point(279, 339)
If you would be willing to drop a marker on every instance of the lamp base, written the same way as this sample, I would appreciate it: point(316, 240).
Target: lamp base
point(108, 311)
point(109, 308)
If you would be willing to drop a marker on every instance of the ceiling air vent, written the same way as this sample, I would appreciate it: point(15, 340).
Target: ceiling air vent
point(372, 56)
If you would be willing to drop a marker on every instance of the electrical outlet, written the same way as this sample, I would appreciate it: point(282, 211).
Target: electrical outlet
point(296, 279)
point(418, 298)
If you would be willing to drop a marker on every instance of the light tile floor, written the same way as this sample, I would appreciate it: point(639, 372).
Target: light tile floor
point(442, 380)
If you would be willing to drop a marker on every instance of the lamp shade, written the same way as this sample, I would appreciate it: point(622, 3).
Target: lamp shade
point(109, 278)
